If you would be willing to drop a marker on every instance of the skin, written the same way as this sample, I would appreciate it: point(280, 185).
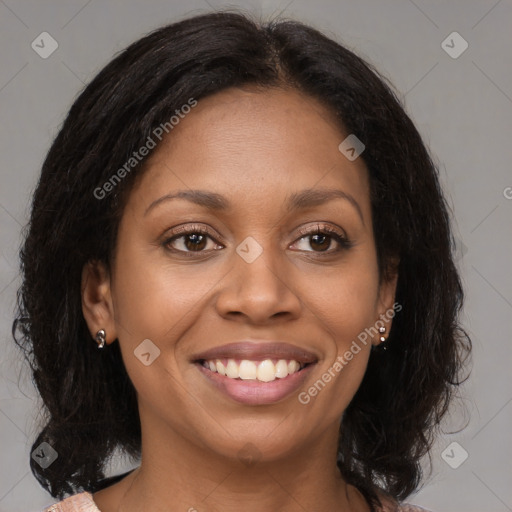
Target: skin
point(255, 148)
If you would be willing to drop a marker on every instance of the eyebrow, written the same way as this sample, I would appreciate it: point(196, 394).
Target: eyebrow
point(317, 196)
point(299, 200)
point(209, 200)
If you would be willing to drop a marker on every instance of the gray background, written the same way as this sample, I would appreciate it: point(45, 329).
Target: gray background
point(462, 106)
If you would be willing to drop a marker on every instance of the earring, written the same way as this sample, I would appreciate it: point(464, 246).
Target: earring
point(101, 338)
point(382, 338)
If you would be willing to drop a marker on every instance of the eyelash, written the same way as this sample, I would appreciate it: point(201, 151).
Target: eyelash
point(336, 234)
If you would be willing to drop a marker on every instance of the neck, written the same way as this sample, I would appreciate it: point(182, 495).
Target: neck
point(176, 474)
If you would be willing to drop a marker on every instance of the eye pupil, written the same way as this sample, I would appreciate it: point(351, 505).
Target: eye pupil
point(196, 240)
point(319, 240)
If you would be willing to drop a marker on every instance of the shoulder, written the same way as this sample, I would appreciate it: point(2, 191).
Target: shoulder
point(84, 502)
point(411, 508)
point(81, 502)
point(390, 505)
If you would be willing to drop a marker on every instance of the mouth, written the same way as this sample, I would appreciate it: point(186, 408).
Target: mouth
point(245, 369)
point(256, 373)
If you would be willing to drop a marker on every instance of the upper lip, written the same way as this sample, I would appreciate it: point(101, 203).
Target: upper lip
point(257, 351)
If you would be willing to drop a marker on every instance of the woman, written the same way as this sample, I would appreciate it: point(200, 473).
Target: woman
point(238, 270)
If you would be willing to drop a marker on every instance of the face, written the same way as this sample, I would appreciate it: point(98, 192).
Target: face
point(245, 248)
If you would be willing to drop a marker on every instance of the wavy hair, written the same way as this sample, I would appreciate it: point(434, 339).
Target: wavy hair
point(389, 425)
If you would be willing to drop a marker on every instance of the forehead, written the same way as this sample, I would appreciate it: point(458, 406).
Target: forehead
point(253, 144)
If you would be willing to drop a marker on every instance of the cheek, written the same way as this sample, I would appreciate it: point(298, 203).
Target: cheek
point(154, 298)
point(345, 301)
point(157, 301)
point(344, 318)
point(344, 304)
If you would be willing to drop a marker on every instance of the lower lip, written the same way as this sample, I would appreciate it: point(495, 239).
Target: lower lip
point(255, 392)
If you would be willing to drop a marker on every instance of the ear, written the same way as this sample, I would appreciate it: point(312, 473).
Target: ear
point(97, 306)
point(386, 305)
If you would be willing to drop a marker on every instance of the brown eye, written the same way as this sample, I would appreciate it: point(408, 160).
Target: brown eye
point(320, 242)
point(322, 239)
point(195, 242)
point(190, 240)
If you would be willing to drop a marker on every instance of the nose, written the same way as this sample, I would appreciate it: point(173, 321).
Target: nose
point(259, 292)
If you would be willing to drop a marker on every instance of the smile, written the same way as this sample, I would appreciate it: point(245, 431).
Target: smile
point(263, 371)
point(256, 373)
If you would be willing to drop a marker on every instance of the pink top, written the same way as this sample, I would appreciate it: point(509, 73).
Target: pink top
point(83, 502)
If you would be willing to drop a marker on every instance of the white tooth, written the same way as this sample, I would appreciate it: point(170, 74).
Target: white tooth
point(281, 369)
point(266, 371)
point(212, 366)
point(247, 370)
point(293, 366)
point(232, 369)
point(220, 367)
